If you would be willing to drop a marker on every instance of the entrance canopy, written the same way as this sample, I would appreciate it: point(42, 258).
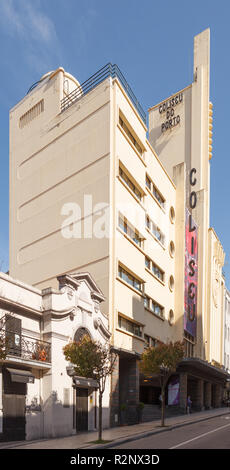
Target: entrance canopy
point(22, 376)
point(82, 382)
point(200, 368)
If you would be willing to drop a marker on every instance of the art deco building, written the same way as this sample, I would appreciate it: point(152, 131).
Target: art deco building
point(90, 192)
point(226, 332)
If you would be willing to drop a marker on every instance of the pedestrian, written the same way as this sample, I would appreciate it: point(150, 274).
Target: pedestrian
point(189, 404)
point(160, 400)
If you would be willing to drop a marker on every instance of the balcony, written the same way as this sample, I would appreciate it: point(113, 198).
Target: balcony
point(107, 71)
point(24, 347)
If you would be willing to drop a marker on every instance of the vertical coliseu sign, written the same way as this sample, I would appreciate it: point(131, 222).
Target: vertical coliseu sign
point(191, 263)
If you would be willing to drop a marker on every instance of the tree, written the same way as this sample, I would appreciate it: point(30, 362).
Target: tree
point(162, 360)
point(93, 360)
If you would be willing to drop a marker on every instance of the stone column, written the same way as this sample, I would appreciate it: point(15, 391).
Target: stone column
point(217, 395)
point(207, 395)
point(133, 391)
point(114, 397)
point(200, 395)
point(133, 383)
point(183, 391)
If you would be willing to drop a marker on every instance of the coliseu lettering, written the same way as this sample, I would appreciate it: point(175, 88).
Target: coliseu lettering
point(192, 262)
point(167, 107)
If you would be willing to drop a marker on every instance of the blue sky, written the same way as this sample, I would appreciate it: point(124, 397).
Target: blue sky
point(151, 42)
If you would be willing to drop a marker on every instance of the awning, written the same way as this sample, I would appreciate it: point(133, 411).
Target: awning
point(82, 382)
point(194, 365)
point(22, 376)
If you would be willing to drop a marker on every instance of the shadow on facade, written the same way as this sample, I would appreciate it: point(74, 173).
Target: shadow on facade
point(53, 419)
point(194, 376)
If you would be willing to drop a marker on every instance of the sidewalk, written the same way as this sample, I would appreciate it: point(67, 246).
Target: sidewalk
point(118, 435)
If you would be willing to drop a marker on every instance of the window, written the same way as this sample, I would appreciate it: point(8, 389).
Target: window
point(155, 192)
point(130, 135)
point(148, 182)
point(13, 334)
point(147, 302)
point(153, 306)
point(172, 249)
point(150, 342)
point(157, 272)
point(149, 264)
point(171, 283)
point(171, 317)
point(172, 214)
point(189, 344)
point(157, 195)
point(157, 233)
point(129, 326)
point(130, 279)
point(147, 222)
point(131, 232)
point(130, 184)
point(156, 308)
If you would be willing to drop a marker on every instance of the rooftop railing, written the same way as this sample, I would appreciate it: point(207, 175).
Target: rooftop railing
point(107, 71)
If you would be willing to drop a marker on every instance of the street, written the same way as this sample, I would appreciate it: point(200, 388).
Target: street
point(211, 434)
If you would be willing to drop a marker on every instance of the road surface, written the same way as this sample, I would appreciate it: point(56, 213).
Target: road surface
point(210, 434)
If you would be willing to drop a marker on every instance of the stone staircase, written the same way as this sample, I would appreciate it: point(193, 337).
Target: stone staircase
point(153, 412)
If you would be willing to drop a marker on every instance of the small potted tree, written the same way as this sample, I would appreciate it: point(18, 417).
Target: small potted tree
point(123, 409)
point(140, 408)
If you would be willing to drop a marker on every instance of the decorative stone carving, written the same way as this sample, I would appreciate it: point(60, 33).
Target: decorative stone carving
point(70, 293)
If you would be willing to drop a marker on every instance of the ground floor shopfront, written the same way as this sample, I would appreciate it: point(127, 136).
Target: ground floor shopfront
point(23, 416)
point(204, 383)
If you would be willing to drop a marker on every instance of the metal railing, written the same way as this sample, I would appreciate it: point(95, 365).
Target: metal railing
point(107, 71)
point(25, 347)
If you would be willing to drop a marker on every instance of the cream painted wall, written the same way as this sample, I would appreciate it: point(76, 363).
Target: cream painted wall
point(57, 158)
point(188, 142)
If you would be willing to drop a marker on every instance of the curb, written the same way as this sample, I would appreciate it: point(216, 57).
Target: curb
point(136, 437)
point(129, 438)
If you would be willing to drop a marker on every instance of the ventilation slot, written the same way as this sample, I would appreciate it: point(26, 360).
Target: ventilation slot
point(31, 114)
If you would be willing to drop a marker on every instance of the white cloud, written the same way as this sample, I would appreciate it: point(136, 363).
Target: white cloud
point(23, 18)
point(10, 18)
point(33, 32)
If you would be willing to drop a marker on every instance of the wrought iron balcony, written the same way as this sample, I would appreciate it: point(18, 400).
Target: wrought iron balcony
point(108, 70)
point(25, 347)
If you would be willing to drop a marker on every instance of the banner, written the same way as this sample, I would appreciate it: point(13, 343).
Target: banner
point(174, 392)
point(191, 275)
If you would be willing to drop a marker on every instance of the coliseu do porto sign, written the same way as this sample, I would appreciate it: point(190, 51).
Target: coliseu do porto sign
point(168, 110)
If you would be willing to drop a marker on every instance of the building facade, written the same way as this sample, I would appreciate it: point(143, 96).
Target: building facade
point(40, 394)
point(226, 335)
point(89, 191)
